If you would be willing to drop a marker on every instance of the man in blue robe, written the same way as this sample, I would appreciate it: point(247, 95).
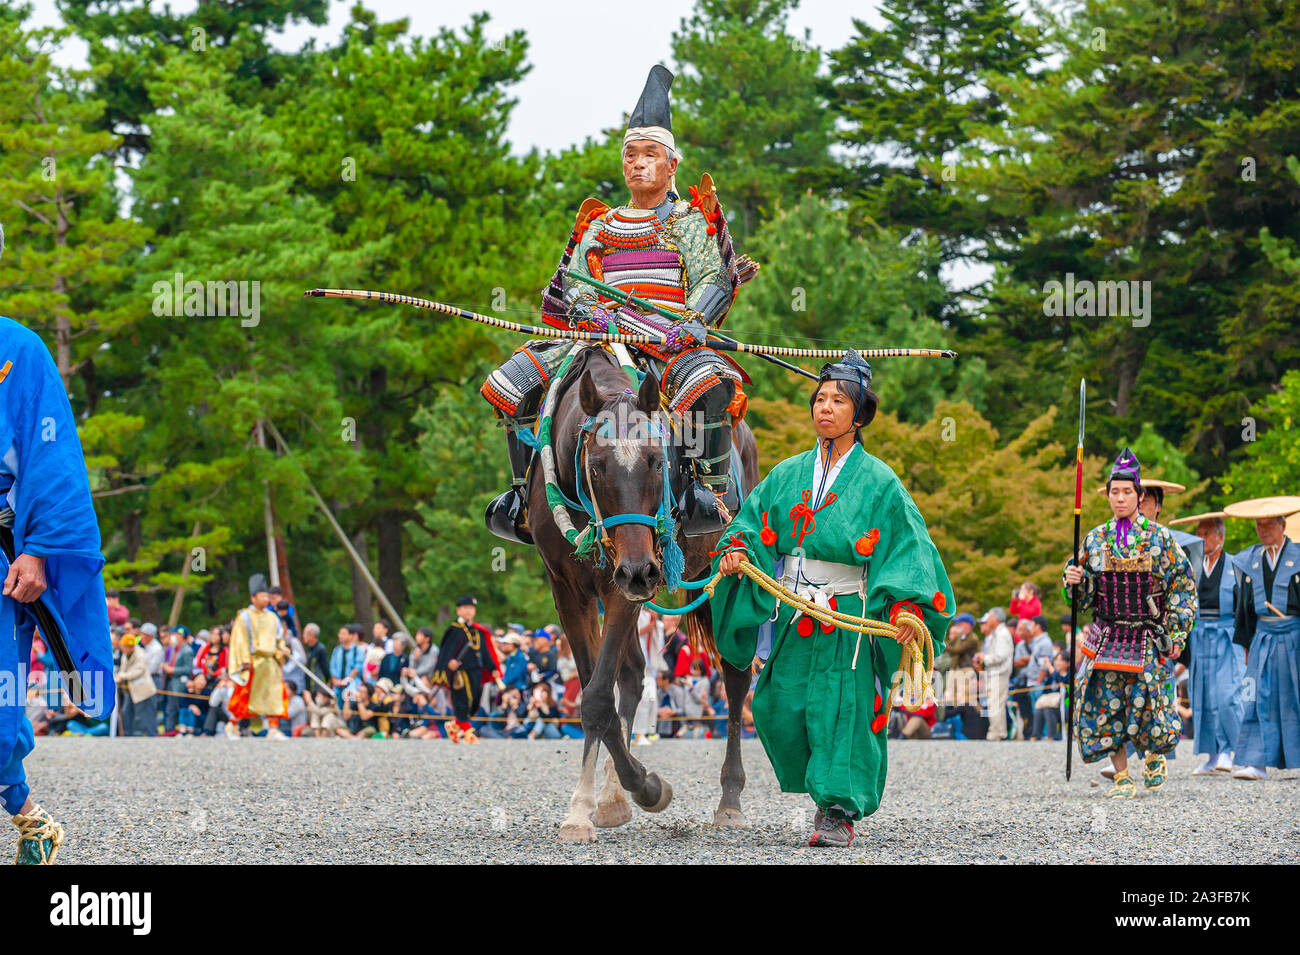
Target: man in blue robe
point(1268, 626)
point(1217, 664)
point(50, 529)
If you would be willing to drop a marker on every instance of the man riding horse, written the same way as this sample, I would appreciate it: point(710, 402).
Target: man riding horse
point(671, 252)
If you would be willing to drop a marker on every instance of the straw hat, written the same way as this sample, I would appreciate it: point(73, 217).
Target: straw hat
point(1261, 507)
point(1197, 518)
point(1169, 487)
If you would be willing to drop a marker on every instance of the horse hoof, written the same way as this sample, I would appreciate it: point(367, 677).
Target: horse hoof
point(730, 819)
point(577, 832)
point(611, 814)
point(655, 795)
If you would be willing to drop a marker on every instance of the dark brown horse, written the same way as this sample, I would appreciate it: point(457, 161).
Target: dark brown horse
point(624, 477)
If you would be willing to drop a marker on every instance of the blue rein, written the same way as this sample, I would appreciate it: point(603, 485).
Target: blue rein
point(662, 522)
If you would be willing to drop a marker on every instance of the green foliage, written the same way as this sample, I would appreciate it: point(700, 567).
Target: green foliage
point(65, 241)
point(746, 107)
point(1151, 152)
point(454, 552)
point(1160, 459)
point(1271, 465)
point(908, 96)
point(821, 287)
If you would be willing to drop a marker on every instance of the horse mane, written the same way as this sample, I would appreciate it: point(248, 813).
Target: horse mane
point(604, 368)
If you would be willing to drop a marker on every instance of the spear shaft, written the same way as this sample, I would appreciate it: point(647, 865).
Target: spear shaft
point(1074, 590)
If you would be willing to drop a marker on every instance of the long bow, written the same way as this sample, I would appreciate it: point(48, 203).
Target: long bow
point(540, 331)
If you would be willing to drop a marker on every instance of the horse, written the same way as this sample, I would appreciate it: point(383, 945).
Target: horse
point(624, 476)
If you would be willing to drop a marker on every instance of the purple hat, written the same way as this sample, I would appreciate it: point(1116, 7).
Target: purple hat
point(1127, 468)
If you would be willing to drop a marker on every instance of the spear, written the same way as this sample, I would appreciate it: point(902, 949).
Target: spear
point(1074, 590)
point(539, 331)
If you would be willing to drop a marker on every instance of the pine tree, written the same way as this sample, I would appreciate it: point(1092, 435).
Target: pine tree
point(204, 369)
point(1154, 152)
point(66, 247)
point(747, 109)
point(909, 94)
point(822, 287)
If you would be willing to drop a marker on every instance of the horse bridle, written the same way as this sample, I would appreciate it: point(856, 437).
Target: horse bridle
point(581, 461)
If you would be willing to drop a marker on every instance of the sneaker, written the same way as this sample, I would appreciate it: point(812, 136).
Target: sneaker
point(232, 731)
point(1207, 768)
point(643, 741)
point(1251, 772)
point(1224, 764)
point(829, 831)
point(39, 838)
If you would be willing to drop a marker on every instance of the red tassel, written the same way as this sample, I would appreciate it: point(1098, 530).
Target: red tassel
point(878, 723)
point(805, 626)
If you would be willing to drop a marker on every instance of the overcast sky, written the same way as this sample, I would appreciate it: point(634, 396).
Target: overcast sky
point(560, 35)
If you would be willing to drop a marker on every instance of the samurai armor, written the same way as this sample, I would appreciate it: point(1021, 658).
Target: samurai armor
point(695, 372)
point(1129, 611)
point(516, 387)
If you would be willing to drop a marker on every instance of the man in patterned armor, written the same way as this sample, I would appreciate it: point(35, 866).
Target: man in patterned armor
point(1138, 583)
point(671, 252)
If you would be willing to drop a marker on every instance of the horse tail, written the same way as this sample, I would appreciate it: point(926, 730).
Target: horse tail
point(698, 627)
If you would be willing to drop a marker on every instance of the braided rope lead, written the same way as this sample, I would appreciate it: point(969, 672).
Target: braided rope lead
point(540, 331)
point(917, 663)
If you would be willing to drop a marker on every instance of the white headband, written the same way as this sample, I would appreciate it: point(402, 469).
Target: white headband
point(653, 133)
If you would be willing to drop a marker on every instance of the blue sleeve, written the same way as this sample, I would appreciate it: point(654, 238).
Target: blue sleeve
point(54, 517)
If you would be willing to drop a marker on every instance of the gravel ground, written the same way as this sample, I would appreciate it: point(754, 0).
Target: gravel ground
point(349, 801)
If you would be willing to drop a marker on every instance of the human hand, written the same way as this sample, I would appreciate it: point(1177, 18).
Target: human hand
point(907, 632)
point(730, 563)
point(26, 579)
point(1073, 575)
point(453, 665)
point(685, 334)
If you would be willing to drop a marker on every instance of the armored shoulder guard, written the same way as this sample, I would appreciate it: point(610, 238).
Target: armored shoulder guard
point(555, 311)
point(740, 268)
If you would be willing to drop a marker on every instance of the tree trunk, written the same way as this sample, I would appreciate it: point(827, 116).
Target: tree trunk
point(174, 617)
point(1130, 364)
point(146, 600)
point(360, 589)
point(389, 528)
point(87, 373)
point(62, 321)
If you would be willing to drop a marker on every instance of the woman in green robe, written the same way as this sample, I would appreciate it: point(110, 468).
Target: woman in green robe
point(850, 538)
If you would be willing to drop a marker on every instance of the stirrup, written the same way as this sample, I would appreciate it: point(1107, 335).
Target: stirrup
point(469, 736)
point(1124, 787)
point(1154, 772)
point(453, 730)
point(39, 838)
point(701, 511)
point(507, 515)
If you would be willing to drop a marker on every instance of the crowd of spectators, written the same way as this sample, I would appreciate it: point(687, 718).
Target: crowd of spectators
point(1007, 681)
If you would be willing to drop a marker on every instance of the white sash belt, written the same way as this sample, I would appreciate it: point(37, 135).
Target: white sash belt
point(820, 580)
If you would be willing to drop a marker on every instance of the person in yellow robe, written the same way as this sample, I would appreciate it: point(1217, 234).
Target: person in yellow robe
point(257, 655)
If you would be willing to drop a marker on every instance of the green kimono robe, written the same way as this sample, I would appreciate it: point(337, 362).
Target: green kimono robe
point(812, 709)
